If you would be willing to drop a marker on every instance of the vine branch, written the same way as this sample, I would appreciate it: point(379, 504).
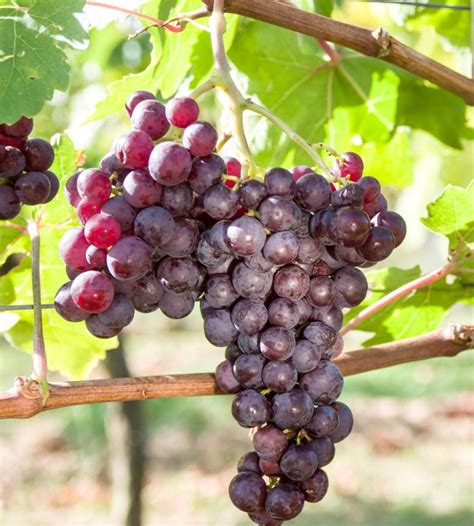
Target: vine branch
point(24, 399)
point(378, 43)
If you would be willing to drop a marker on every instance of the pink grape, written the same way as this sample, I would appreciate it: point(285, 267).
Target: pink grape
point(92, 291)
point(182, 111)
point(102, 231)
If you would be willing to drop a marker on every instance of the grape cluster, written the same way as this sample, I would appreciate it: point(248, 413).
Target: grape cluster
point(24, 175)
point(272, 262)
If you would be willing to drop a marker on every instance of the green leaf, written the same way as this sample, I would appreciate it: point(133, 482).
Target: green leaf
point(7, 292)
point(33, 61)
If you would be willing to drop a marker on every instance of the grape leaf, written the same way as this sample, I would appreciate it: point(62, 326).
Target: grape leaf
point(33, 62)
point(7, 292)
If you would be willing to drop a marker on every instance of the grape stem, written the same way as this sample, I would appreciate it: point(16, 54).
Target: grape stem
point(40, 362)
point(395, 295)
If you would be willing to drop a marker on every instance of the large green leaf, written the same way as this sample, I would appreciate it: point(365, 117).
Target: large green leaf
point(33, 61)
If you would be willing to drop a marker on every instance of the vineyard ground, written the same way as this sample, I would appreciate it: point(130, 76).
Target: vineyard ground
point(409, 462)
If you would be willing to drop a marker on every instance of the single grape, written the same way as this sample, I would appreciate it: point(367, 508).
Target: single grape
point(92, 291)
point(284, 502)
point(312, 192)
point(178, 200)
point(102, 231)
point(277, 343)
point(299, 462)
point(118, 208)
point(208, 254)
point(249, 316)
point(70, 190)
point(200, 138)
point(39, 155)
point(220, 202)
point(379, 204)
point(176, 306)
point(350, 226)
point(98, 329)
point(324, 449)
point(248, 491)
point(249, 344)
point(320, 226)
point(113, 167)
point(324, 383)
point(12, 164)
point(140, 190)
point(178, 274)
point(65, 306)
point(217, 236)
point(19, 129)
point(371, 188)
point(347, 255)
point(233, 168)
point(94, 184)
point(154, 225)
point(277, 213)
point(309, 250)
point(137, 97)
point(283, 312)
point(72, 249)
point(351, 284)
point(323, 422)
point(251, 283)
point(331, 316)
point(316, 487)
point(297, 172)
point(206, 172)
point(9, 203)
point(393, 222)
point(87, 208)
point(251, 193)
point(133, 149)
point(220, 291)
point(305, 310)
point(232, 351)
point(320, 334)
point(291, 282)
point(184, 239)
point(350, 165)
point(292, 410)
point(249, 462)
point(248, 370)
point(280, 377)
point(270, 442)
point(119, 314)
point(225, 378)
point(54, 185)
point(321, 291)
point(306, 356)
point(250, 408)
point(32, 188)
point(379, 244)
point(169, 164)
point(262, 518)
point(245, 236)
point(96, 257)
point(346, 422)
point(182, 111)
point(270, 468)
point(351, 194)
point(149, 116)
point(219, 329)
point(279, 181)
point(146, 294)
point(281, 248)
point(129, 259)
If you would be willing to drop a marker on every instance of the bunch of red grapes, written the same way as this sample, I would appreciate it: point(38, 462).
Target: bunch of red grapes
point(273, 264)
point(24, 175)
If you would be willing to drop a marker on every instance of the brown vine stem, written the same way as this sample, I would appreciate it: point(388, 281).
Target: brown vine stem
point(24, 399)
point(397, 294)
point(378, 43)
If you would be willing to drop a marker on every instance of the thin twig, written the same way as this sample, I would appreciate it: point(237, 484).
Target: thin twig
point(43, 306)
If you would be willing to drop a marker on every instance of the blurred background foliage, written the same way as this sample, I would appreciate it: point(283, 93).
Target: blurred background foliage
point(409, 461)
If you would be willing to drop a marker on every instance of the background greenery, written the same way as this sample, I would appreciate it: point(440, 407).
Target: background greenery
point(409, 460)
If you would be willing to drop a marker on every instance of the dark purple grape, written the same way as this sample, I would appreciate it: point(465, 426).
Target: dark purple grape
point(176, 306)
point(245, 236)
point(283, 313)
point(250, 283)
point(219, 329)
point(379, 204)
point(321, 291)
point(371, 188)
point(284, 502)
point(270, 468)
point(149, 116)
point(137, 97)
point(121, 211)
point(70, 190)
point(248, 370)
point(279, 181)
point(129, 259)
point(277, 343)
point(291, 282)
point(154, 225)
point(9, 203)
point(251, 193)
point(292, 410)
point(112, 166)
point(248, 491)
point(312, 192)
point(277, 213)
point(262, 518)
point(225, 378)
point(299, 462)
point(281, 248)
point(178, 274)
point(98, 329)
point(305, 311)
point(351, 284)
point(348, 255)
point(249, 462)
point(220, 291)
point(169, 164)
point(301, 226)
point(12, 164)
point(258, 262)
point(324, 449)
point(133, 149)
point(346, 422)
point(232, 352)
point(351, 194)
point(120, 313)
point(280, 377)
point(350, 226)
point(140, 190)
point(320, 226)
point(249, 344)
point(320, 334)
point(32, 188)
point(184, 239)
point(378, 245)
point(393, 222)
point(200, 138)
point(323, 422)
point(330, 315)
point(178, 200)
point(147, 293)
point(306, 356)
point(250, 408)
point(65, 306)
point(316, 487)
point(19, 129)
point(207, 254)
point(217, 236)
point(324, 383)
point(220, 202)
point(54, 185)
point(309, 250)
point(39, 155)
point(206, 172)
point(270, 442)
point(249, 316)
